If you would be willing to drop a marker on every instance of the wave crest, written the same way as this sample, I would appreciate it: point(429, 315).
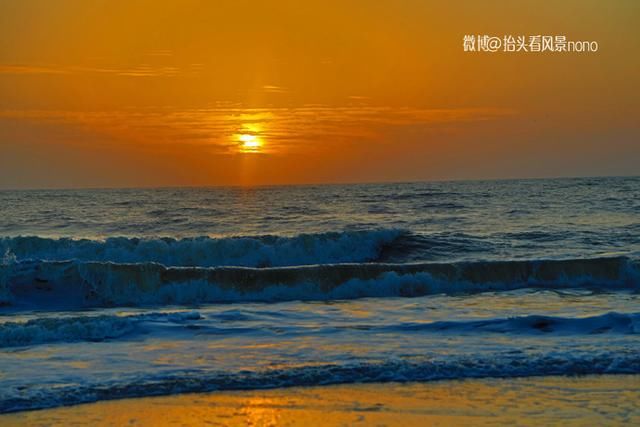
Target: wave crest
point(111, 327)
point(83, 284)
point(258, 251)
point(81, 328)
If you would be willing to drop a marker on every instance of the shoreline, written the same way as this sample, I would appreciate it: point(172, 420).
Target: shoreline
point(581, 400)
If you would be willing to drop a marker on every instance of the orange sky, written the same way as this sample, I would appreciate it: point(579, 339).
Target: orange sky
point(164, 93)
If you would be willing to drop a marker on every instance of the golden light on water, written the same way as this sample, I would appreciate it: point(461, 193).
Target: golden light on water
point(411, 405)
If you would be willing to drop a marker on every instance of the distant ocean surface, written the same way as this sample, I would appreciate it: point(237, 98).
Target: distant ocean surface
point(123, 293)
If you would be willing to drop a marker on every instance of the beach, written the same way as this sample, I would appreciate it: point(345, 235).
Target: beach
point(563, 401)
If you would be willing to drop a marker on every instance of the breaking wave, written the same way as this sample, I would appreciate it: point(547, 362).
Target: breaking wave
point(81, 328)
point(258, 251)
point(105, 284)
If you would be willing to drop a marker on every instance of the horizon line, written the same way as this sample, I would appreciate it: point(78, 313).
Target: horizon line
point(313, 184)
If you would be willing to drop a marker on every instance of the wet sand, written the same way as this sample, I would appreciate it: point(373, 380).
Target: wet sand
point(579, 401)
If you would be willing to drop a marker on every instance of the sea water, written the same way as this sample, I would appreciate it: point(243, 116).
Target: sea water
point(113, 293)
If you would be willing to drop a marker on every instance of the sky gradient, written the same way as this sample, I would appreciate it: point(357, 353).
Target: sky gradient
point(173, 93)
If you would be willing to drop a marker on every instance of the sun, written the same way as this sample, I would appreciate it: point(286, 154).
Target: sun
point(249, 143)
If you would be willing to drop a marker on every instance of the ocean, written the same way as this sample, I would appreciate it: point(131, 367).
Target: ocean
point(114, 293)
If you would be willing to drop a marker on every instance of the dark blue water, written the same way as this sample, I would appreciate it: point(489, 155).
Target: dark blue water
point(116, 293)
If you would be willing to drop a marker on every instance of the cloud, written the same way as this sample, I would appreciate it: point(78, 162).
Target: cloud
point(30, 69)
point(143, 70)
point(274, 89)
point(306, 127)
point(160, 52)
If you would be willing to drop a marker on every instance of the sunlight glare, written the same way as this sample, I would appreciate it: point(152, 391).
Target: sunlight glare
point(249, 143)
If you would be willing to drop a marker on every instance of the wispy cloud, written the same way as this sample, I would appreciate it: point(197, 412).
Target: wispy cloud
point(160, 52)
point(274, 89)
point(143, 70)
point(306, 127)
point(30, 69)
